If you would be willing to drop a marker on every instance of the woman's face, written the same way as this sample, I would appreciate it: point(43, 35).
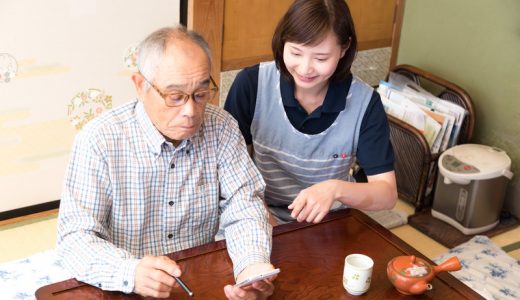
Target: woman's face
point(311, 66)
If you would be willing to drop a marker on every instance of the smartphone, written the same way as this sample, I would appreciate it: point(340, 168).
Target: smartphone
point(250, 280)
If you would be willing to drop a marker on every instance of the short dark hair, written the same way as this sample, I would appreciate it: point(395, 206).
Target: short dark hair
point(308, 22)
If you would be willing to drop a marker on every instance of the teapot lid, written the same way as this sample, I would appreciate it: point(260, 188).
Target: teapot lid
point(411, 266)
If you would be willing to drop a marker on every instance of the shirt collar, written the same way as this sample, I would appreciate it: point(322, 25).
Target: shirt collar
point(335, 100)
point(287, 91)
point(153, 137)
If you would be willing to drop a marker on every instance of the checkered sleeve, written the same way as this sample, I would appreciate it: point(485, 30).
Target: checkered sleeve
point(244, 216)
point(84, 241)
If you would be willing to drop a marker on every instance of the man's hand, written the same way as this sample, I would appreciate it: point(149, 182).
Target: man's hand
point(153, 276)
point(258, 290)
point(313, 203)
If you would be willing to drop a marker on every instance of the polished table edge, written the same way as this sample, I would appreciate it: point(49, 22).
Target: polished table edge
point(447, 278)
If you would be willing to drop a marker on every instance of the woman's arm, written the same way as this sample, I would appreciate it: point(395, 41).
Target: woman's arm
point(313, 203)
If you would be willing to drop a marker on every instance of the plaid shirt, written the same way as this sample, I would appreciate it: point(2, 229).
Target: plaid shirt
point(130, 193)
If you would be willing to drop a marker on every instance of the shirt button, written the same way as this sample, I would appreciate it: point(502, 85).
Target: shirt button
point(187, 151)
point(170, 236)
point(172, 165)
point(171, 203)
point(125, 283)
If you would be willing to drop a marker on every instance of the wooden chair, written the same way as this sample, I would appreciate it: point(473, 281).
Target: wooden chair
point(415, 165)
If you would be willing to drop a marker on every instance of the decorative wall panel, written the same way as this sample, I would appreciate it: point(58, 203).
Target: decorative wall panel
point(62, 63)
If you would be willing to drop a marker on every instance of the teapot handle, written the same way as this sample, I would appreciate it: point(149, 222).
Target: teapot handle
point(452, 264)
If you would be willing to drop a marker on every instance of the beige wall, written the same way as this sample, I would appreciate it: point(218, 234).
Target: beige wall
point(61, 48)
point(476, 44)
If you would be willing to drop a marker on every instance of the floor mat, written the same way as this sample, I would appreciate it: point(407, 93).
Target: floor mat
point(448, 235)
point(388, 218)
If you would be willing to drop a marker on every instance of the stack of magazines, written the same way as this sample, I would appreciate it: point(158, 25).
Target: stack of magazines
point(439, 120)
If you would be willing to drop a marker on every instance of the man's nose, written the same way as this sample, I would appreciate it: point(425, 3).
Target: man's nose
point(189, 108)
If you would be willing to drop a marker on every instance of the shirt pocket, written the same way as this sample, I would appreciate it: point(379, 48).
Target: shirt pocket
point(202, 205)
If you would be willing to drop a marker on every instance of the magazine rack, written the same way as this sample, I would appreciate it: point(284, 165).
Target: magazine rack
point(415, 165)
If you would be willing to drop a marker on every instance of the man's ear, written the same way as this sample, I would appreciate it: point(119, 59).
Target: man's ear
point(139, 83)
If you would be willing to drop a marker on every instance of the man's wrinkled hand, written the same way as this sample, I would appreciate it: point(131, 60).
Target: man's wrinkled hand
point(259, 290)
point(154, 276)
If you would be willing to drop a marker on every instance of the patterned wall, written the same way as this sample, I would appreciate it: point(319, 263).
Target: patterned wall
point(62, 63)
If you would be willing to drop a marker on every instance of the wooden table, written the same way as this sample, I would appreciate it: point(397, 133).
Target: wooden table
point(310, 256)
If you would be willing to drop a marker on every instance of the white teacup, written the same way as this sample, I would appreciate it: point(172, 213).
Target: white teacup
point(357, 273)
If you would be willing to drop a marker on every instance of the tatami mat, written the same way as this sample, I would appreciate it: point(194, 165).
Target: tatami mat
point(507, 238)
point(27, 239)
point(419, 241)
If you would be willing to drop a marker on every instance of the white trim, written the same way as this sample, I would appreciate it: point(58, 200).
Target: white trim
point(465, 230)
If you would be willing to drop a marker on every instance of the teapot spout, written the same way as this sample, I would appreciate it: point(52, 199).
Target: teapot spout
point(420, 287)
point(452, 264)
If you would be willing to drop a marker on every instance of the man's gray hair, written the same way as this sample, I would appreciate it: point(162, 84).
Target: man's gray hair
point(151, 49)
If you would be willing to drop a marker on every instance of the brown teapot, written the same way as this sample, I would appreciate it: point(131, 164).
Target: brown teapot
point(412, 275)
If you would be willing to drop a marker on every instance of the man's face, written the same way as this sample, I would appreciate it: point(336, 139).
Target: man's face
point(184, 68)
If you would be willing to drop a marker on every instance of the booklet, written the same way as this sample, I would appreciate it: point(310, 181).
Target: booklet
point(439, 120)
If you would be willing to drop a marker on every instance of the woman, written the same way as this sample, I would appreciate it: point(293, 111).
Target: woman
point(307, 120)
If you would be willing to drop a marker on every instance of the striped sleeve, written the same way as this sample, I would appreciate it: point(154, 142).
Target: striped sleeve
point(244, 216)
point(83, 236)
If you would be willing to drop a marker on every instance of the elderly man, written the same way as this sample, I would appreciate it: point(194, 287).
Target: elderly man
point(161, 174)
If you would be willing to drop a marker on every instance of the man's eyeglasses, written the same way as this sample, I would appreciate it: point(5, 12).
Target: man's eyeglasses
point(178, 98)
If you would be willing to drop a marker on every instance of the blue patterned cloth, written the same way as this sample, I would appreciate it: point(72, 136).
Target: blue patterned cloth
point(486, 268)
point(21, 278)
point(130, 193)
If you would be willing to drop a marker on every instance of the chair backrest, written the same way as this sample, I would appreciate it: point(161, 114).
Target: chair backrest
point(412, 160)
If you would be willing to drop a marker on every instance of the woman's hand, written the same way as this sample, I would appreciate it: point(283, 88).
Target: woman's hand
point(313, 203)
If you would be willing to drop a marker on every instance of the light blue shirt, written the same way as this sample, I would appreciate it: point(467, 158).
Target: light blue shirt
point(130, 193)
